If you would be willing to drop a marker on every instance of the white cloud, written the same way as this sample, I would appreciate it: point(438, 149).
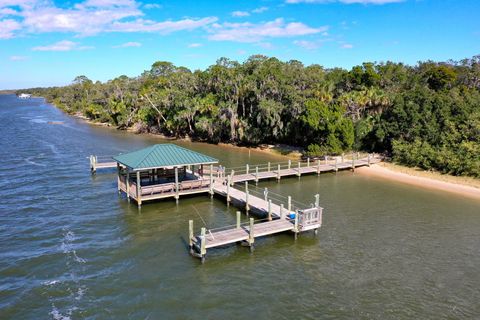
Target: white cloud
point(346, 46)
point(240, 14)
point(128, 45)
point(346, 1)
point(194, 45)
point(309, 45)
point(18, 58)
point(8, 28)
point(152, 6)
point(165, 27)
point(64, 45)
point(87, 18)
point(250, 32)
point(260, 10)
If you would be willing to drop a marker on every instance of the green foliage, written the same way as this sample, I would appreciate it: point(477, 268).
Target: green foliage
point(426, 115)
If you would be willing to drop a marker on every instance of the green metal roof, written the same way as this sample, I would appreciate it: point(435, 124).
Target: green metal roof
point(162, 155)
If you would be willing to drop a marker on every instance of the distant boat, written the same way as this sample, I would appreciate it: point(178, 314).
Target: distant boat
point(24, 96)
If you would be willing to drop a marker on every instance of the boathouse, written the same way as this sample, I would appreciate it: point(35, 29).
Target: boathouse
point(162, 171)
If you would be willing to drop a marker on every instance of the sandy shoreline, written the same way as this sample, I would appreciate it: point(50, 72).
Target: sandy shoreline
point(425, 182)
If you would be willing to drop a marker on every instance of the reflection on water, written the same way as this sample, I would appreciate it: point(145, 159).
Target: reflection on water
point(70, 247)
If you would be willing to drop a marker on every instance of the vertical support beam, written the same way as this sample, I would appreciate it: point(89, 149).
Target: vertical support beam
point(343, 156)
point(203, 240)
point(118, 177)
point(269, 210)
point(308, 162)
point(318, 167)
point(139, 190)
point(278, 172)
point(282, 213)
point(251, 235)
point(265, 194)
point(289, 204)
point(353, 161)
point(368, 159)
point(268, 167)
point(127, 182)
point(190, 235)
point(176, 184)
point(228, 188)
point(256, 174)
point(247, 168)
point(238, 219)
point(298, 169)
point(231, 177)
point(211, 179)
point(336, 164)
point(289, 164)
point(295, 228)
point(317, 200)
point(247, 207)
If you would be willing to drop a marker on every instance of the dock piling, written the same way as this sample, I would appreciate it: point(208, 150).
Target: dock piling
point(318, 167)
point(295, 229)
point(247, 207)
point(289, 205)
point(298, 169)
point(251, 235)
point(269, 210)
point(268, 167)
point(203, 240)
point(368, 159)
point(308, 162)
point(247, 167)
point(289, 164)
point(256, 175)
point(317, 200)
point(190, 235)
point(278, 172)
point(336, 164)
point(282, 214)
point(238, 219)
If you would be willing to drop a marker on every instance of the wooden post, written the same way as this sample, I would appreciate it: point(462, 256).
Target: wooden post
point(190, 234)
point(265, 194)
point(326, 159)
point(282, 214)
point(247, 168)
point(256, 174)
point(343, 155)
point(298, 169)
point(127, 180)
point(247, 207)
point(296, 224)
point(139, 190)
point(308, 162)
point(176, 184)
point(238, 219)
point(228, 189)
point(317, 200)
point(289, 164)
point(211, 179)
point(118, 177)
point(251, 235)
point(353, 161)
point(336, 164)
point(368, 159)
point(318, 167)
point(231, 179)
point(278, 172)
point(203, 240)
point(268, 167)
point(269, 210)
point(289, 205)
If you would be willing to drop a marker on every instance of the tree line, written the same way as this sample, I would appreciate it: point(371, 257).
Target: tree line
point(427, 115)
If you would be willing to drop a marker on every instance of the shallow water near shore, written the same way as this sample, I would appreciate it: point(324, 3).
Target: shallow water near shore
point(72, 248)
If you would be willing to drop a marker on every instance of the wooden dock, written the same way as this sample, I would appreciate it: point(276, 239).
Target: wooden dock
point(104, 163)
point(278, 219)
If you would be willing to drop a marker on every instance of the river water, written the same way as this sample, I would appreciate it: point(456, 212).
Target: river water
point(72, 248)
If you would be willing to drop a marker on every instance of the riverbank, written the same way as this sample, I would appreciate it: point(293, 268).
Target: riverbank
point(465, 186)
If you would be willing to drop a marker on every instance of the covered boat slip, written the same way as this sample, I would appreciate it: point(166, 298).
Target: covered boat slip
point(162, 171)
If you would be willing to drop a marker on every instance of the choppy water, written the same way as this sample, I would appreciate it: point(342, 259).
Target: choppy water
point(71, 248)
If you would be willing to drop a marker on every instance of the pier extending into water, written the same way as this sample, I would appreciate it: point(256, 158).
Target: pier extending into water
point(167, 170)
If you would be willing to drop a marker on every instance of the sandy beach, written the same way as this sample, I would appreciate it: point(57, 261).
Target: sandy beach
point(468, 187)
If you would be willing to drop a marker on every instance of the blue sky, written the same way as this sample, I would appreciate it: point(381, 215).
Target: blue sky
point(44, 43)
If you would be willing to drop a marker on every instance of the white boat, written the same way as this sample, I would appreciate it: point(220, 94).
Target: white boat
point(24, 96)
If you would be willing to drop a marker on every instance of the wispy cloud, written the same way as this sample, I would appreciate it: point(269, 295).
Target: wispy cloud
point(87, 18)
point(260, 10)
point(379, 2)
point(194, 45)
point(240, 14)
point(8, 28)
point(64, 45)
point(18, 58)
point(152, 6)
point(346, 46)
point(251, 32)
point(309, 45)
point(128, 45)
